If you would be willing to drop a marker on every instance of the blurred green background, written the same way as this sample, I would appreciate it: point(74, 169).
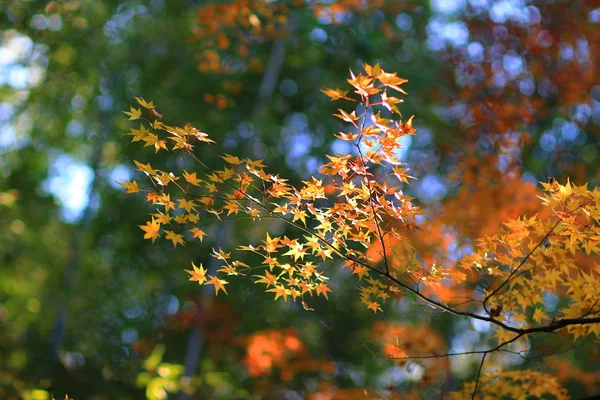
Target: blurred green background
point(90, 309)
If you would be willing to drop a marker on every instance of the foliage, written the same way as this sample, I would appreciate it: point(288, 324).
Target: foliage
point(355, 206)
point(505, 95)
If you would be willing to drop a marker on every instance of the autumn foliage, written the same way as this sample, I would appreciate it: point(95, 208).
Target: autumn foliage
point(356, 215)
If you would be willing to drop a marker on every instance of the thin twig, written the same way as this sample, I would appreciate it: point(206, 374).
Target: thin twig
point(513, 272)
point(478, 375)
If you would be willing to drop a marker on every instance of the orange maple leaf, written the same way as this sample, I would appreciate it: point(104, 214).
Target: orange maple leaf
point(323, 289)
point(197, 233)
point(218, 283)
point(279, 291)
point(374, 306)
point(269, 279)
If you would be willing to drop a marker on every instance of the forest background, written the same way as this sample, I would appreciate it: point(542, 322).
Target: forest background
point(505, 94)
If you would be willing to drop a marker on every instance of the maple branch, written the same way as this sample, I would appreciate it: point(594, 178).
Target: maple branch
point(552, 327)
point(592, 397)
point(220, 221)
point(560, 324)
point(590, 311)
point(291, 223)
point(478, 375)
point(379, 233)
point(513, 272)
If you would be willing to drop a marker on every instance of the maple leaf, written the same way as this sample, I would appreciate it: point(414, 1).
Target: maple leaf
point(191, 178)
point(390, 102)
point(180, 219)
point(392, 81)
point(363, 84)
point(300, 215)
point(144, 104)
point(347, 189)
point(153, 197)
point(257, 164)
point(153, 140)
point(350, 137)
point(163, 178)
point(279, 291)
point(271, 245)
point(374, 71)
point(152, 229)
point(145, 168)
point(226, 174)
point(138, 134)
point(232, 208)
point(231, 159)
point(132, 187)
point(133, 113)
point(374, 306)
point(344, 116)
point(269, 279)
point(271, 262)
point(220, 255)
point(218, 283)
point(165, 200)
point(323, 289)
point(336, 94)
point(193, 218)
point(253, 212)
point(297, 251)
point(176, 238)
point(197, 233)
point(391, 350)
point(360, 270)
point(162, 218)
point(198, 274)
point(212, 188)
point(187, 205)
point(229, 270)
point(539, 315)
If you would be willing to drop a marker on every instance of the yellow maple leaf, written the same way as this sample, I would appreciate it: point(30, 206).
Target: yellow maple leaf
point(300, 215)
point(152, 229)
point(271, 245)
point(335, 94)
point(162, 218)
point(297, 251)
point(138, 134)
point(176, 238)
point(538, 315)
point(144, 103)
point(187, 205)
point(198, 274)
point(131, 187)
point(232, 159)
point(133, 113)
point(191, 178)
point(145, 168)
